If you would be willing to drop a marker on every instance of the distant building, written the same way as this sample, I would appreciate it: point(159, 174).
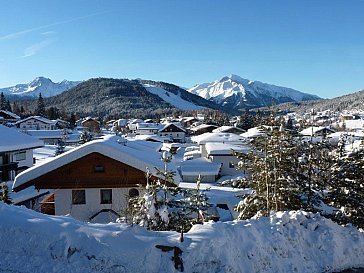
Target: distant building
point(16, 152)
point(8, 117)
point(36, 123)
point(174, 132)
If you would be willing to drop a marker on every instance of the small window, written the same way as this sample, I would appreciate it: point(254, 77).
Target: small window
point(78, 197)
point(20, 156)
point(99, 169)
point(133, 193)
point(106, 196)
point(231, 165)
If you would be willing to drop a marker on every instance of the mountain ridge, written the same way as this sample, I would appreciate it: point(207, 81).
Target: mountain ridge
point(40, 84)
point(236, 92)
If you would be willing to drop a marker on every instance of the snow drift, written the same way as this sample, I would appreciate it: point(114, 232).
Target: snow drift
point(285, 242)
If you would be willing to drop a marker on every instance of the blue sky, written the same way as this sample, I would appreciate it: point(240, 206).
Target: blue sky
point(316, 46)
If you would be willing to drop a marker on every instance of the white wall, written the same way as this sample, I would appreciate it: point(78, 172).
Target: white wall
point(193, 178)
point(63, 202)
point(174, 135)
point(225, 160)
point(28, 162)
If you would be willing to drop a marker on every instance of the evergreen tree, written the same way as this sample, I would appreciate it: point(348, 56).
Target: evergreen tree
point(40, 111)
point(346, 190)
point(85, 137)
point(4, 194)
point(60, 148)
point(3, 103)
point(272, 175)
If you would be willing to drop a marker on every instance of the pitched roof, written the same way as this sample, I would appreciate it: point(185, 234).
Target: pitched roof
point(135, 153)
point(218, 137)
point(213, 148)
point(173, 126)
point(11, 114)
point(39, 118)
point(313, 130)
point(13, 140)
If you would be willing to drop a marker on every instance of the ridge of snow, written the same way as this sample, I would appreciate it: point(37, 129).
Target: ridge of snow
point(235, 85)
point(42, 85)
point(171, 98)
point(284, 242)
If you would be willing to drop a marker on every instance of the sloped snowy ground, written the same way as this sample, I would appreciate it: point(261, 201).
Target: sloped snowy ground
point(285, 242)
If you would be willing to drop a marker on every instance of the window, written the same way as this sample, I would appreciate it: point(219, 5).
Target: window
point(99, 169)
point(133, 193)
point(20, 156)
point(106, 196)
point(78, 197)
point(231, 165)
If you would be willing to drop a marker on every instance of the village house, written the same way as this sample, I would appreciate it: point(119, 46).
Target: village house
point(228, 129)
point(91, 124)
point(174, 132)
point(202, 128)
point(36, 123)
point(147, 128)
point(317, 131)
point(8, 117)
point(94, 181)
point(16, 152)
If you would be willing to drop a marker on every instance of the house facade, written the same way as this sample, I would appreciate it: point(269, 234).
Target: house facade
point(16, 152)
point(36, 123)
point(174, 132)
point(96, 179)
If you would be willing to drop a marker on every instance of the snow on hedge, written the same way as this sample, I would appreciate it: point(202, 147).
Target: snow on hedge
point(285, 242)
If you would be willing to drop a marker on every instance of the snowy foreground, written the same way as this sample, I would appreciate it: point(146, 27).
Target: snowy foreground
point(285, 242)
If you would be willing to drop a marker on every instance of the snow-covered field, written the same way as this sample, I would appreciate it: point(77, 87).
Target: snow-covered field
point(285, 242)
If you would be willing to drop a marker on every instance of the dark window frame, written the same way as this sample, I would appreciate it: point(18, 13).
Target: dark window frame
point(78, 197)
point(103, 199)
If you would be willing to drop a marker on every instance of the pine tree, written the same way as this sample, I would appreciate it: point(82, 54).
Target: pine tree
point(4, 194)
point(40, 111)
point(85, 137)
point(346, 191)
point(60, 148)
point(3, 103)
point(272, 175)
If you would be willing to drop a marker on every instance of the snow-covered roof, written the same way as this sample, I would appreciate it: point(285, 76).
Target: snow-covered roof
point(178, 125)
point(253, 132)
point(218, 137)
point(224, 128)
point(202, 126)
point(314, 130)
point(38, 118)
point(45, 134)
point(137, 154)
point(213, 148)
point(199, 166)
point(12, 140)
point(89, 119)
point(148, 126)
point(15, 116)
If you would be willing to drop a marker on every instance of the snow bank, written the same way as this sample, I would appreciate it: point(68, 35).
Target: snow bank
point(285, 242)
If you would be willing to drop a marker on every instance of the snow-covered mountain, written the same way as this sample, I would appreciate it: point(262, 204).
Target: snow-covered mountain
point(39, 85)
point(235, 92)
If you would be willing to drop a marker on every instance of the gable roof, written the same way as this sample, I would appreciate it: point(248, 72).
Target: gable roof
point(11, 114)
point(171, 127)
point(132, 153)
point(218, 137)
point(213, 148)
point(38, 118)
point(13, 140)
point(313, 130)
point(223, 129)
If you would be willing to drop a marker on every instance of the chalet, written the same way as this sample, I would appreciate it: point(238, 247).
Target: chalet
point(188, 121)
point(36, 123)
point(174, 132)
point(91, 124)
point(147, 128)
point(96, 178)
point(16, 152)
point(203, 128)
point(317, 131)
point(8, 117)
point(228, 129)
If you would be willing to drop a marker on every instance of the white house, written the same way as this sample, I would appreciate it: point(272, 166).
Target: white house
point(36, 123)
point(224, 155)
point(147, 128)
point(16, 152)
point(93, 182)
point(174, 132)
